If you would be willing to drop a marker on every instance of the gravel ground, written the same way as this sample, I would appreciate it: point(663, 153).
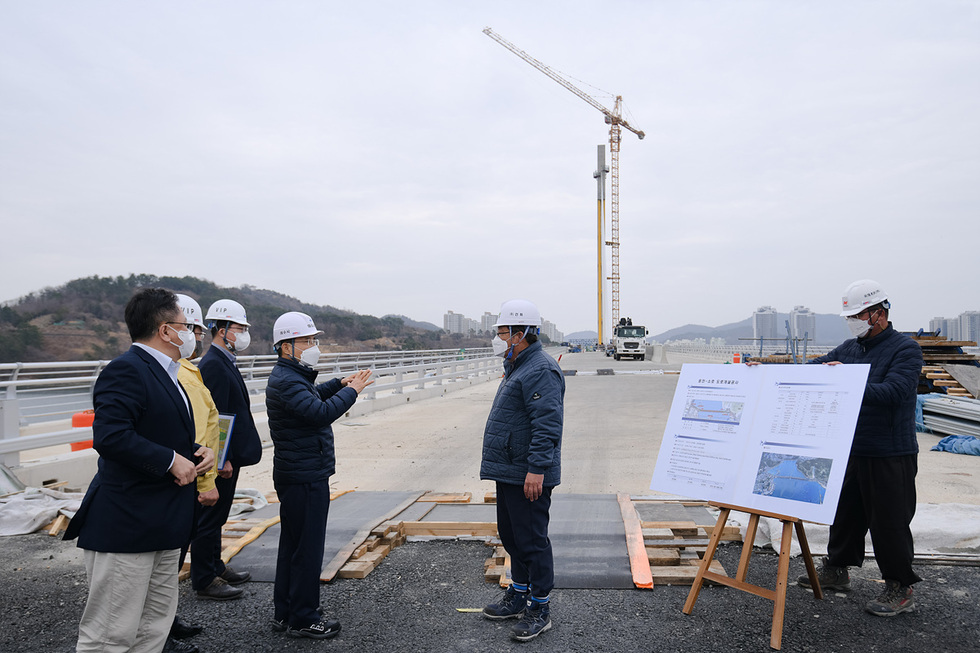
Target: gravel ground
point(410, 603)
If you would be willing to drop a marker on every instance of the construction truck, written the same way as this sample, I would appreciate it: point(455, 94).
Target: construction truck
point(628, 340)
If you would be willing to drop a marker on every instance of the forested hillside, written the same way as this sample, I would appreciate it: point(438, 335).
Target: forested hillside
point(83, 320)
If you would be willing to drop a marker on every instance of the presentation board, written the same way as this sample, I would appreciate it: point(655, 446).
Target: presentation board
point(766, 437)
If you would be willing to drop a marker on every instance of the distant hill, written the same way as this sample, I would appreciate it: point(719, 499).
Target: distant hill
point(830, 330)
point(581, 335)
point(83, 320)
point(428, 326)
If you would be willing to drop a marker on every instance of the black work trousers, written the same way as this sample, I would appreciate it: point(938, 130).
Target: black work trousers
point(878, 494)
point(206, 561)
point(303, 509)
point(523, 529)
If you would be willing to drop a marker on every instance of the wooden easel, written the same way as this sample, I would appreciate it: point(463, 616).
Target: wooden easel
point(778, 596)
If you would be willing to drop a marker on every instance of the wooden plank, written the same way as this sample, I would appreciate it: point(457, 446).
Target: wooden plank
point(938, 375)
point(947, 384)
point(663, 557)
point(658, 534)
point(446, 497)
point(678, 543)
point(58, 524)
point(728, 533)
point(639, 563)
point(684, 574)
point(490, 497)
point(449, 528)
point(668, 524)
point(355, 569)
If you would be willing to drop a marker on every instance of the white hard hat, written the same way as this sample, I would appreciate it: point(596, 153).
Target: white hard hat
point(860, 295)
point(192, 310)
point(293, 325)
point(518, 312)
point(227, 310)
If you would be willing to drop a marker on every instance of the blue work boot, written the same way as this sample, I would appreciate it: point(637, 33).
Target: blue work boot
point(535, 620)
point(511, 604)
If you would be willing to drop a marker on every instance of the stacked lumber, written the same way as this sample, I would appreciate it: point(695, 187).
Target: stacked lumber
point(496, 569)
point(937, 354)
point(675, 549)
point(382, 540)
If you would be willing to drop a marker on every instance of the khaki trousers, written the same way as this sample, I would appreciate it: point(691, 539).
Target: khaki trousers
point(132, 600)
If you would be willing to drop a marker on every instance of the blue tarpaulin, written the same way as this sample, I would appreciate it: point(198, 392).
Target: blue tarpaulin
point(965, 444)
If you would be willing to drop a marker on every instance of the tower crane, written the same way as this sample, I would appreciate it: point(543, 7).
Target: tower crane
point(616, 123)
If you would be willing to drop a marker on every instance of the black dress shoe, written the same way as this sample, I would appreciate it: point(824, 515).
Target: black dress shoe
point(233, 577)
point(181, 630)
point(219, 590)
point(177, 646)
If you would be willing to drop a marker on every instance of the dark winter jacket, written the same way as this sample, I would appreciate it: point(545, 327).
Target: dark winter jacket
point(886, 423)
point(300, 415)
point(523, 432)
point(231, 397)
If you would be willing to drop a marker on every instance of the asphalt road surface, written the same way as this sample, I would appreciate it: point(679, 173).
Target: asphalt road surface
point(411, 601)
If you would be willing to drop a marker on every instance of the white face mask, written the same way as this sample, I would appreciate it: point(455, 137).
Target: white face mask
point(241, 341)
point(310, 356)
point(500, 346)
point(857, 326)
point(187, 342)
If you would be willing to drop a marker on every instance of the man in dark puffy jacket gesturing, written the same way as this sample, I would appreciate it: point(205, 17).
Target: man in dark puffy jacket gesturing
point(522, 453)
point(300, 414)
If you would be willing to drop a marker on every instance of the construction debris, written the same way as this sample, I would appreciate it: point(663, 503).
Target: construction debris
point(946, 365)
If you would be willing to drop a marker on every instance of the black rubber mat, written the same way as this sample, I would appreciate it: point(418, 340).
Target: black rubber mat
point(350, 514)
point(589, 542)
point(588, 538)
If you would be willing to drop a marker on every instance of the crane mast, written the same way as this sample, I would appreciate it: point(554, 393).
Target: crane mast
point(616, 123)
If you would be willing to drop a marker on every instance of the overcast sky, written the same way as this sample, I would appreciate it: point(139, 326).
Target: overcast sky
point(388, 157)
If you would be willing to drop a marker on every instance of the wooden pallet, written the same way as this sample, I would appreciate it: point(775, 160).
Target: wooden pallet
point(675, 549)
point(393, 533)
point(365, 559)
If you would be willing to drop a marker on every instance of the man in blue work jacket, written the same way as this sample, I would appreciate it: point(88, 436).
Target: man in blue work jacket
point(522, 453)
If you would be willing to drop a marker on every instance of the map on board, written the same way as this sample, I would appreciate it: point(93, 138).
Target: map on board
point(709, 410)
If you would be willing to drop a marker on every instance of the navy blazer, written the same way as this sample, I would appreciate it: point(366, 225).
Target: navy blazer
point(231, 397)
point(134, 504)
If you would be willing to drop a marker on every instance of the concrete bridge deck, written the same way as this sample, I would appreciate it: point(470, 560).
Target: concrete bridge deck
point(613, 428)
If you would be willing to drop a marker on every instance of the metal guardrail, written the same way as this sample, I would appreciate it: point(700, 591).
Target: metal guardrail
point(724, 353)
point(33, 393)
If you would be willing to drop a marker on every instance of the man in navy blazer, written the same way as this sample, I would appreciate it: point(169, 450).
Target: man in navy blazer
point(139, 509)
point(210, 577)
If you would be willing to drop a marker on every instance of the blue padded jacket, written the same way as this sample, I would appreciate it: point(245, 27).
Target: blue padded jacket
point(300, 415)
point(886, 423)
point(523, 432)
